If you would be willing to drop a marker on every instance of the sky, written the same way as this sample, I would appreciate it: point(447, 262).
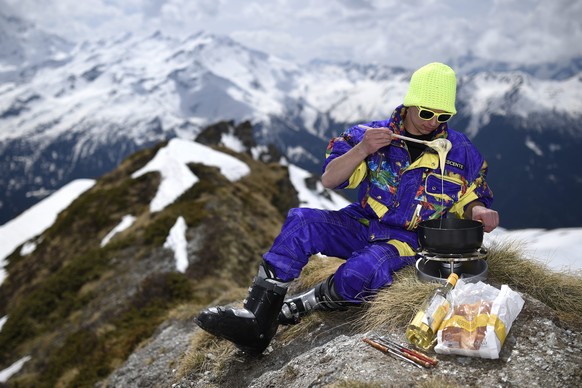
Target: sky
point(392, 32)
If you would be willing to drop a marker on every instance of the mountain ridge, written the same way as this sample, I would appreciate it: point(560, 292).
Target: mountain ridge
point(111, 98)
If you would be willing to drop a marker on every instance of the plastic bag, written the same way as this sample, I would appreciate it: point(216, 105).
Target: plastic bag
point(479, 320)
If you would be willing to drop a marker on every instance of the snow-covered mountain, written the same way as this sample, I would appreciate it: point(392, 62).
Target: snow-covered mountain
point(78, 118)
point(25, 48)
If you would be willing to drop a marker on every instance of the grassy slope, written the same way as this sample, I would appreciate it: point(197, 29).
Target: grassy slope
point(80, 310)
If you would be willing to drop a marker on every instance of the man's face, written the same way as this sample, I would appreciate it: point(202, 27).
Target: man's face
point(417, 126)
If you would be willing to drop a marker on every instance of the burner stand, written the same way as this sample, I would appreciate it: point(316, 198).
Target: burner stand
point(436, 267)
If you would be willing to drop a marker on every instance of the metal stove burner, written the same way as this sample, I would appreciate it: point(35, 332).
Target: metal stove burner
point(470, 266)
point(478, 254)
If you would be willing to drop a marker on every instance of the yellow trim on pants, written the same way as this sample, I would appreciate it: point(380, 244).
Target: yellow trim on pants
point(403, 248)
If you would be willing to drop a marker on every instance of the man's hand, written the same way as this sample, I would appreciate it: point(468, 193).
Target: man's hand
point(489, 217)
point(375, 138)
point(341, 168)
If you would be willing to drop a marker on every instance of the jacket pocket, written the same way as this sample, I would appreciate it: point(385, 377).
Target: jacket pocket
point(381, 195)
point(438, 188)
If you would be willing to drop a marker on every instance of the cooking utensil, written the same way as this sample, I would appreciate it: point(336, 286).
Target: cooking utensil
point(418, 354)
point(394, 353)
point(437, 144)
point(450, 235)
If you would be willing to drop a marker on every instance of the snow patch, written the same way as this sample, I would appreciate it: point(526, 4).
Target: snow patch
point(37, 219)
point(559, 249)
point(171, 162)
point(177, 242)
point(529, 143)
point(232, 142)
point(28, 248)
point(313, 198)
point(125, 223)
point(13, 369)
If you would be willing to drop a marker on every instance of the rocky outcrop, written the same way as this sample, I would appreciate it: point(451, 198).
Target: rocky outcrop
point(538, 351)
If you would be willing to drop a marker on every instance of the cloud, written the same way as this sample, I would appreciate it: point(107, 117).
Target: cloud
point(407, 33)
point(532, 31)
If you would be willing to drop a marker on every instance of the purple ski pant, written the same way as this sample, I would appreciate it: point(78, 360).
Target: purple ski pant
point(368, 267)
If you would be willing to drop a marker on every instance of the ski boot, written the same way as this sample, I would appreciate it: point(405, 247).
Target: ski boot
point(253, 327)
point(322, 297)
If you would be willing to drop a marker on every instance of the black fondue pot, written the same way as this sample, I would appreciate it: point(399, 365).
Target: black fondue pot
point(450, 235)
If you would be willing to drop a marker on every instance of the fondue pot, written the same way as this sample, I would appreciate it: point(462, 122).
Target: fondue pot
point(450, 235)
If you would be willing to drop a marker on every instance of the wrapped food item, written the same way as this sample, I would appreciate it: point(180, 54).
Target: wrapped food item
point(479, 320)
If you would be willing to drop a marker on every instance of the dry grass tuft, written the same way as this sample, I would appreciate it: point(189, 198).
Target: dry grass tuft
point(394, 306)
point(560, 291)
point(307, 325)
point(207, 353)
point(317, 270)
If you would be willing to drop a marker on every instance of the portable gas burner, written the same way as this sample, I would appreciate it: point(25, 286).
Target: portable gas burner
point(451, 245)
point(434, 266)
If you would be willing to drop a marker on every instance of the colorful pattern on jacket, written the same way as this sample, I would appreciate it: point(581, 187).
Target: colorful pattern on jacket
point(400, 194)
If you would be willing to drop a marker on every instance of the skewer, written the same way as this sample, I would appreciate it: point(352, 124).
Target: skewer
point(412, 352)
point(389, 351)
point(410, 356)
point(402, 137)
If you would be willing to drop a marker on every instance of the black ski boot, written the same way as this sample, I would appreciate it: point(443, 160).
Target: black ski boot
point(322, 297)
point(253, 327)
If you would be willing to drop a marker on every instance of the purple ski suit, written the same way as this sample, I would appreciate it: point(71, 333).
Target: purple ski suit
point(377, 234)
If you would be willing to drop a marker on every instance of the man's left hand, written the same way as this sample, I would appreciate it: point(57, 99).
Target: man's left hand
point(489, 217)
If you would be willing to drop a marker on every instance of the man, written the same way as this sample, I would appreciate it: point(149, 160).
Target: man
point(400, 184)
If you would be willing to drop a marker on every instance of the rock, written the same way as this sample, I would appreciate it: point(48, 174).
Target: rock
point(156, 361)
point(333, 352)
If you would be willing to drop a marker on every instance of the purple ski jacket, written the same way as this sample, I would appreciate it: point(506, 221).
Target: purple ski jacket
point(394, 195)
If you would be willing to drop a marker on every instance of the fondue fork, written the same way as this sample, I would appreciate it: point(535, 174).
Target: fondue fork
point(431, 143)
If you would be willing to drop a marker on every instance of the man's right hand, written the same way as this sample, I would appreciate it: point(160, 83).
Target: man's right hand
point(374, 139)
point(341, 168)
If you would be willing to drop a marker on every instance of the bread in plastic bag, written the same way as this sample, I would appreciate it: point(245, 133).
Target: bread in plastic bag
point(479, 320)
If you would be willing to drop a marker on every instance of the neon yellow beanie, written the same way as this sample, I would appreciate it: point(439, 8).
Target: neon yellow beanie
point(433, 86)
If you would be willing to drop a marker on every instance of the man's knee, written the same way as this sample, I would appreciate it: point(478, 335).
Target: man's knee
point(301, 214)
point(362, 276)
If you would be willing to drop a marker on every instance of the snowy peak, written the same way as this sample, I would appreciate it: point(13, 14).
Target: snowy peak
point(201, 80)
point(535, 103)
point(183, 84)
point(113, 97)
point(24, 47)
